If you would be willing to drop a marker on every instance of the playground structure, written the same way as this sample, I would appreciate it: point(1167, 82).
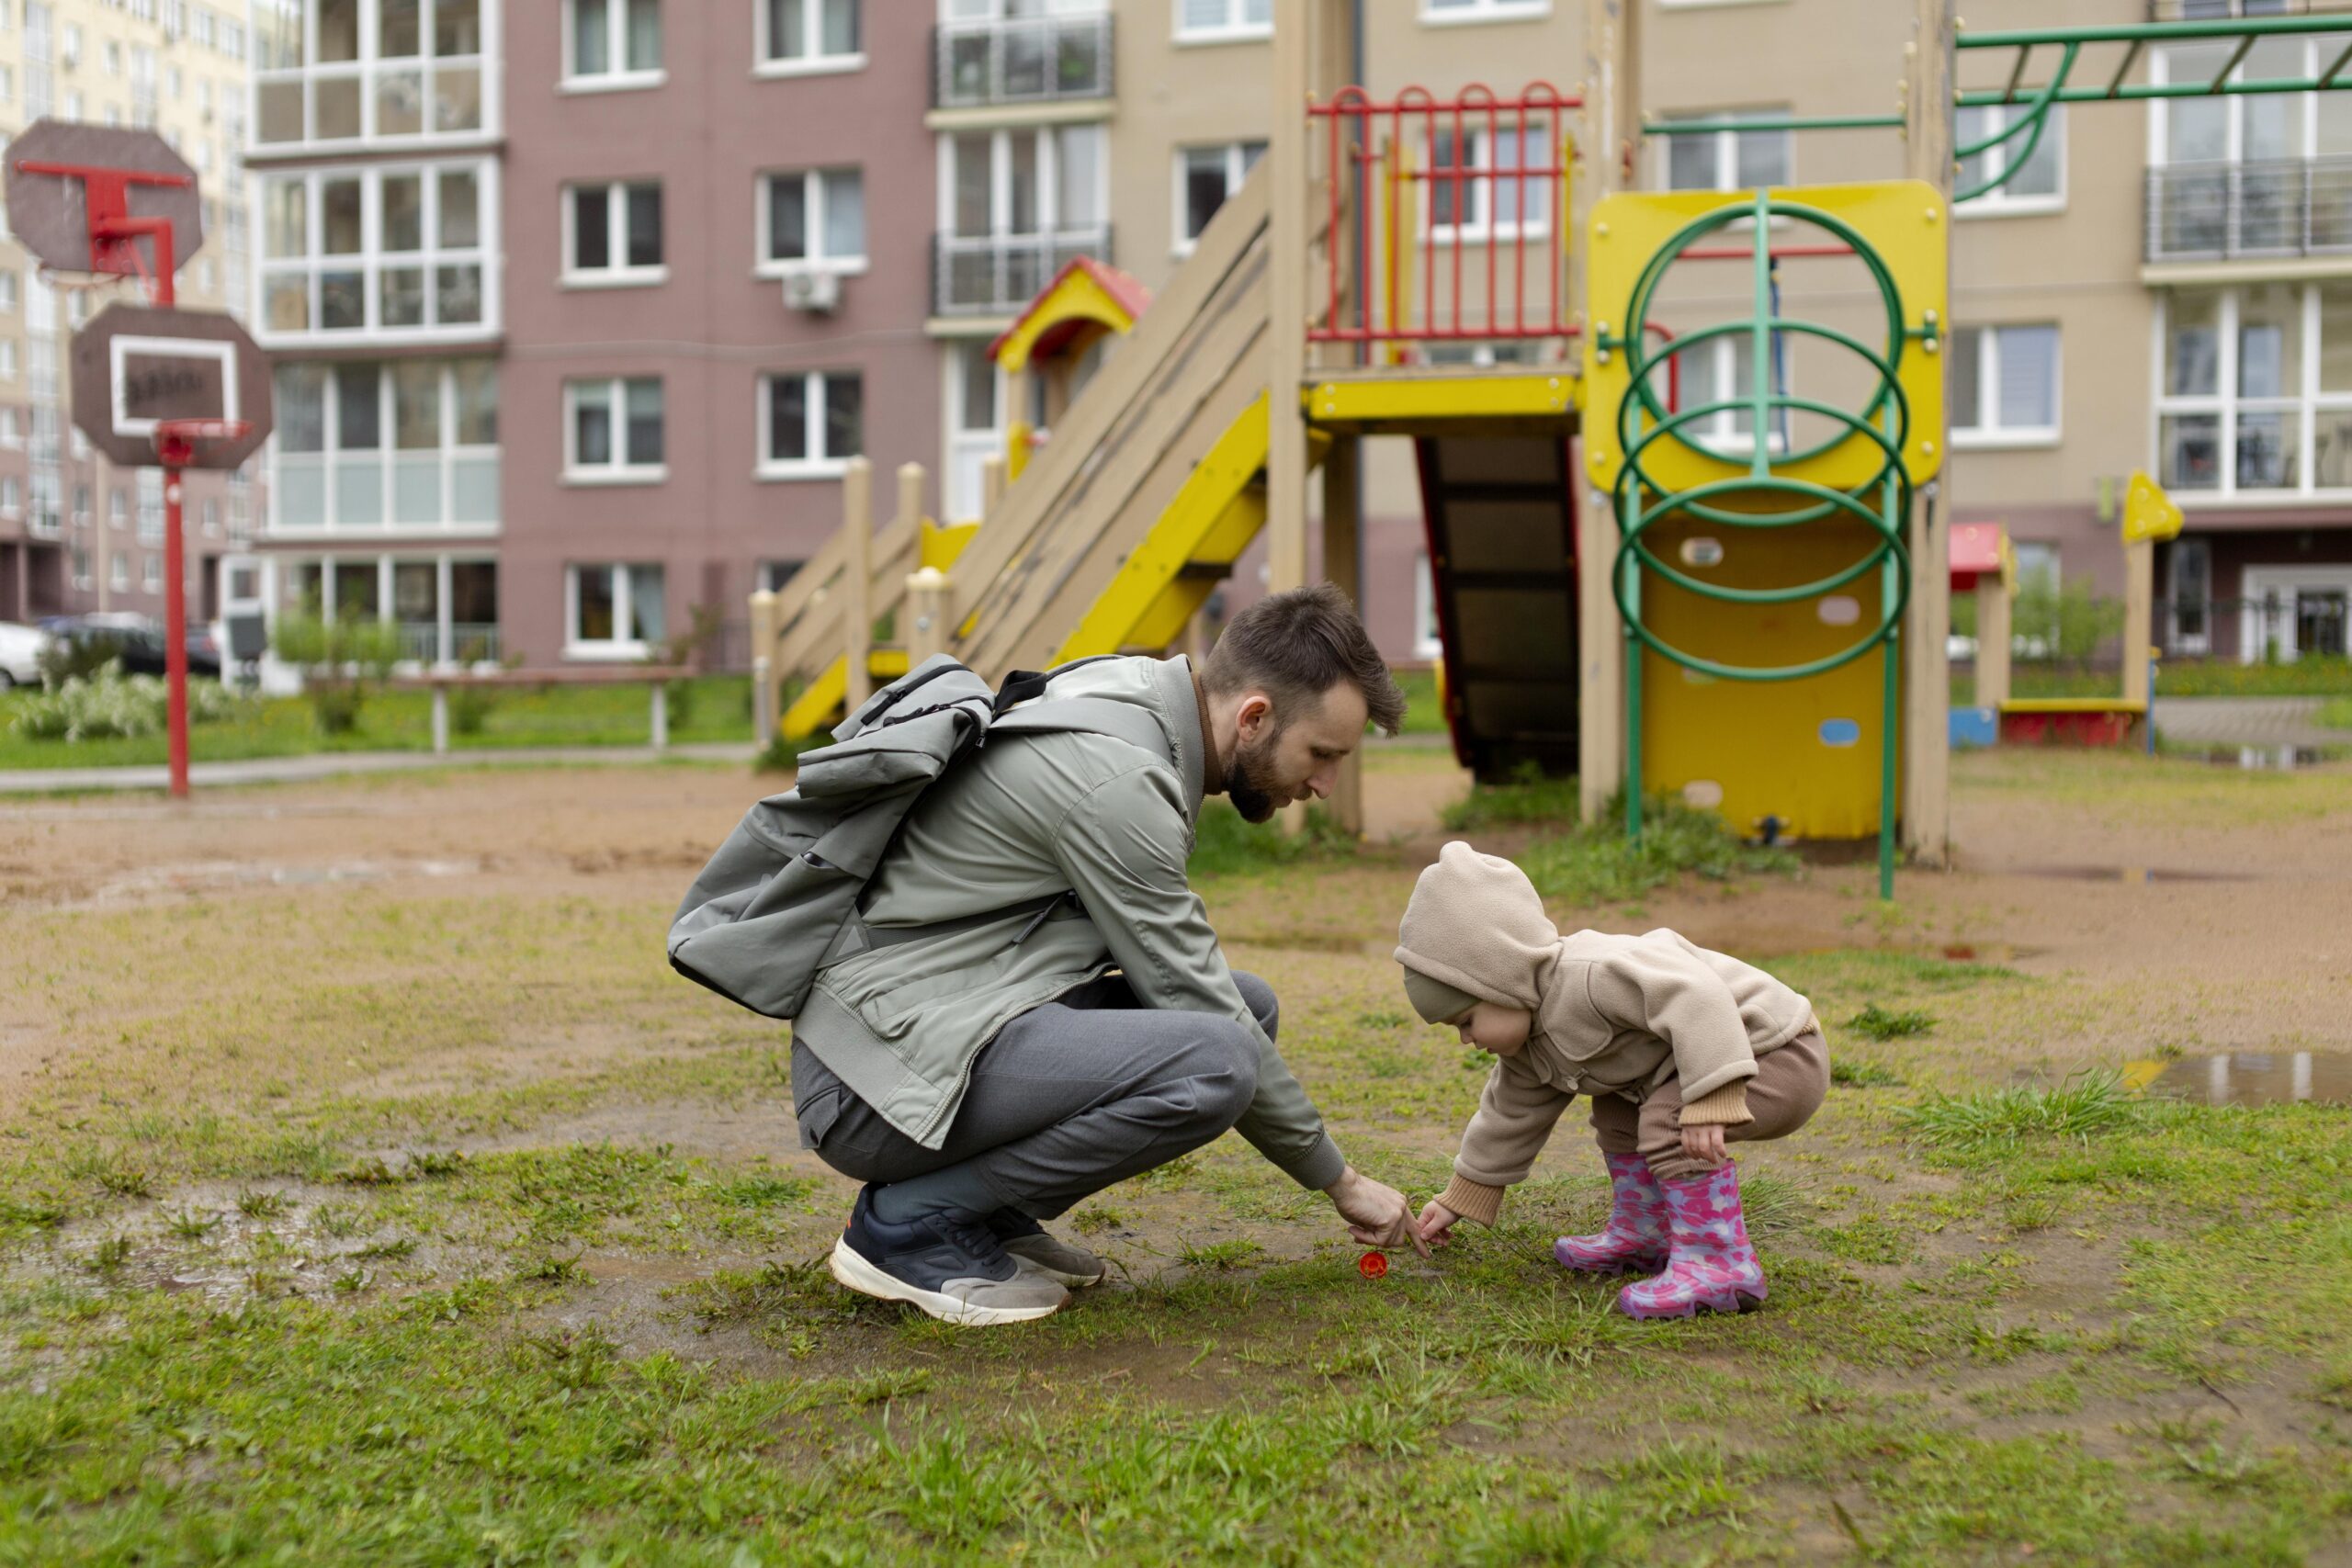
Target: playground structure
point(1735, 621)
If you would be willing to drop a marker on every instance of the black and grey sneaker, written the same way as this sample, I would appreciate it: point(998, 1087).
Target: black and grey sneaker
point(950, 1266)
point(1035, 1250)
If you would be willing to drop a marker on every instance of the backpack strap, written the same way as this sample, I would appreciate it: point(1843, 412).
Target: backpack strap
point(1024, 685)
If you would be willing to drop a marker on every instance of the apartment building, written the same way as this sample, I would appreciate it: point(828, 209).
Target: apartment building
point(78, 534)
point(580, 308)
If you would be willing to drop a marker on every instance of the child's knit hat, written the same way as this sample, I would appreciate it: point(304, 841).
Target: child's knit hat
point(1474, 930)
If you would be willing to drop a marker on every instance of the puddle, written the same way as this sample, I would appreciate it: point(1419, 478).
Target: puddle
point(2249, 1077)
point(2264, 759)
point(2129, 874)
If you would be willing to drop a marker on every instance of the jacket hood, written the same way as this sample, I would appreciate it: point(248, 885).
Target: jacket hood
point(1161, 687)
point(1477, 923)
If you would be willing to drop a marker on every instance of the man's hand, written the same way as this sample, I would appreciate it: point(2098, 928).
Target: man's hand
point(1437, 1222)
point(1704, 1143)
point(1378, 1215)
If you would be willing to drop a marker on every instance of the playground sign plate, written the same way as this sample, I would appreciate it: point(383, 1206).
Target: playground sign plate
point(49, 211)
point(136, 366)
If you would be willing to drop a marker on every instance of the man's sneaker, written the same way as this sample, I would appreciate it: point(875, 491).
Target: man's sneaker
point(948, 1264)
point(1035, 1250)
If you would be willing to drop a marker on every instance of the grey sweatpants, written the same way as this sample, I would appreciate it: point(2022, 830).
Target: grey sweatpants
point(1069, 1098)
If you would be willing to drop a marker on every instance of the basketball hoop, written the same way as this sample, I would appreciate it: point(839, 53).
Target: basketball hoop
point(178, 441)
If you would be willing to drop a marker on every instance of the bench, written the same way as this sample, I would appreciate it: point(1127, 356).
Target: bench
point(440, 681)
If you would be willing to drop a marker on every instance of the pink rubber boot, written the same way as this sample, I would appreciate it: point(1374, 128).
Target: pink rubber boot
point(1713, 1266)
point(1636, 1240)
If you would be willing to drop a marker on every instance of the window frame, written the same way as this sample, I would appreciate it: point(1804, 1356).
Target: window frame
point(2227, 406)
point(371, 260)
point(1484, 229)
point(618, 78)
point(1236, 169)
point(331, 454)
point(2001, 202)
point(767, 64)
point(1720, 434)
point(1236, 28)
point(1725, 142)
point(620, 471)
point(621, 273)
point(1981, 436)
point(818, 399)
point(618, 649)
point(2189, 642)
point(368, 68)
point(817, 194)
point(1473, 13)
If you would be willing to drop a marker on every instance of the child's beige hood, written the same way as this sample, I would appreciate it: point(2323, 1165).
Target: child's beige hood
point(1477, 923)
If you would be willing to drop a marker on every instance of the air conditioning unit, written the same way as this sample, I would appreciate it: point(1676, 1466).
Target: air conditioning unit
point(818, 292)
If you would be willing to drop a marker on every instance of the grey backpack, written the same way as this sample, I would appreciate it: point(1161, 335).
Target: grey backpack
point(780, 900)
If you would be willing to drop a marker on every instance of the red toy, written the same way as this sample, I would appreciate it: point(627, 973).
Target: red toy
point(1373, 1265)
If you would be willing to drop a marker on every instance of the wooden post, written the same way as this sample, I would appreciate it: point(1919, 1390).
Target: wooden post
point(440, 717)
point(1993, 590)
point(2139, 616)
point(658, 720)
point(928, 608)
point(910, 513)
point(1611, 136)
point(1287, 224)
point(763, 693)
point(1927, 667)
point(1342, 523)
point(857, 580)
point(992, 486)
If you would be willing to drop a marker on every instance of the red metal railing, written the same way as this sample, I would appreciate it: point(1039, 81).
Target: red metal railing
point(1441, 190)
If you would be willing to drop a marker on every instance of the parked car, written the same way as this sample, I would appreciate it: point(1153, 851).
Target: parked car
point(20, 654)
point(139, 642)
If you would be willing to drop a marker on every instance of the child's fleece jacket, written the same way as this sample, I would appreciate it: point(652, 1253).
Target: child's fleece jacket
point(1613, 1015)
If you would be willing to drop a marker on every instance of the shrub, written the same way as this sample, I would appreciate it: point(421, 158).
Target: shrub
point(1598, 863)
point(111, 704)
point(337, 658)
point(1528, 798)
point(470, 707)
point(2084, 1105)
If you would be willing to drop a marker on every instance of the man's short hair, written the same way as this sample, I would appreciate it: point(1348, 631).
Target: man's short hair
point(1296, 646)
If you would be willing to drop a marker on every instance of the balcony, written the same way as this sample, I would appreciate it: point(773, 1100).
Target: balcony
point(2300, 207)
point(998, 274)
point(1017, 61)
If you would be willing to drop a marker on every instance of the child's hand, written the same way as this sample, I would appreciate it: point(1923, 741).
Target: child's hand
point(1437, 1222)
point(1704, 1143)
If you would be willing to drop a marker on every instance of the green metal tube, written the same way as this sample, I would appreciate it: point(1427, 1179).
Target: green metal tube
point(2155, 32)
point(1802, 122)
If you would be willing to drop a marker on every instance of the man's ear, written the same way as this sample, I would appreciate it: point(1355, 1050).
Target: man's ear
point(1257, 711)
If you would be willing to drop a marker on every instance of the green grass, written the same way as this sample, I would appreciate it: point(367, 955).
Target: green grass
point(1528, 798)
point(718, 708)
point(2086, 1105)
point(1598, 864)
point(2311, 677)
point(1875, 1023)
point(1225, 845)
point(2336, 713)
point(1422, 714)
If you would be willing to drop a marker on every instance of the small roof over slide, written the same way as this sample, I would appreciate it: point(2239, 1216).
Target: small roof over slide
point(1086, 293)
point(1977, 549)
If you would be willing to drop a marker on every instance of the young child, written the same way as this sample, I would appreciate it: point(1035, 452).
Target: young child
point(1681, 1050)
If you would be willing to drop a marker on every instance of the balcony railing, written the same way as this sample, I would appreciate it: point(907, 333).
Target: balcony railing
point(2221, 10)
point(1027, 60)
point(997, 275)
point(470, 642)
point(2214, 211)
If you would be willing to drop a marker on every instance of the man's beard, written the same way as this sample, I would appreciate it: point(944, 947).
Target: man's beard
point(1248, 781)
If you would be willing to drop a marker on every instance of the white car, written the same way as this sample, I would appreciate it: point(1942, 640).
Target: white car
point(20, 654)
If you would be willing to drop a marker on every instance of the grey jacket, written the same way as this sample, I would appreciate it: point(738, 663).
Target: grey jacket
point(1027, 817)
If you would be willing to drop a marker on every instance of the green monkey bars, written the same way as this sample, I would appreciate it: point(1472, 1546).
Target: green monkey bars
point(2026, 129)
point(1766, 495)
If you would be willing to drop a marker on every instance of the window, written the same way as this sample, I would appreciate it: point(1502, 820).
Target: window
point(613, 431)
point(772, 575)
point(613, 611)
point(151, 506)
point(81, 560)
point(612, 43)
point(613, 234)
point(1721, 370)
point(119, 573)
point(151, 574)
point(2004, 385)
point(393, 68)
point(212, 517)
point(1199, 19)
point(7, 84)
point(434, 229)
point(2037, 181)
point(1728, 160)
point(2254, 389)
point(1016, 206)
point(1488, 174)
point(81, 504)
point(1427, 639)
point(413, 444)
point(812, 221)
point(2191, 596)
point(810, 424)
point(114, 58)
point(810, 35)
point(7, 359)
point(1483, 10)
point(118, 509)
point(11, 429)
point(1204, 178)
point(12, 496)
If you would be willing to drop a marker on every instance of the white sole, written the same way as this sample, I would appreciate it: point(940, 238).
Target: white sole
point(850, 1266)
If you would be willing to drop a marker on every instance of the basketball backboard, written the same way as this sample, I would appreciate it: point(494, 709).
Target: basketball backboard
point(136, 366)
point(62, 173)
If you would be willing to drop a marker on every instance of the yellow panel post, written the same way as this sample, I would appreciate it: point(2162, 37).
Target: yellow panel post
point(857, 580)
point(1612, 128)
point(763, 693)
point(1288, 222)
point(1927, 666)
point(2149, 515)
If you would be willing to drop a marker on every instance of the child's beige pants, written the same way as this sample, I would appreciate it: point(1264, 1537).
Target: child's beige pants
point(1788, 1087)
